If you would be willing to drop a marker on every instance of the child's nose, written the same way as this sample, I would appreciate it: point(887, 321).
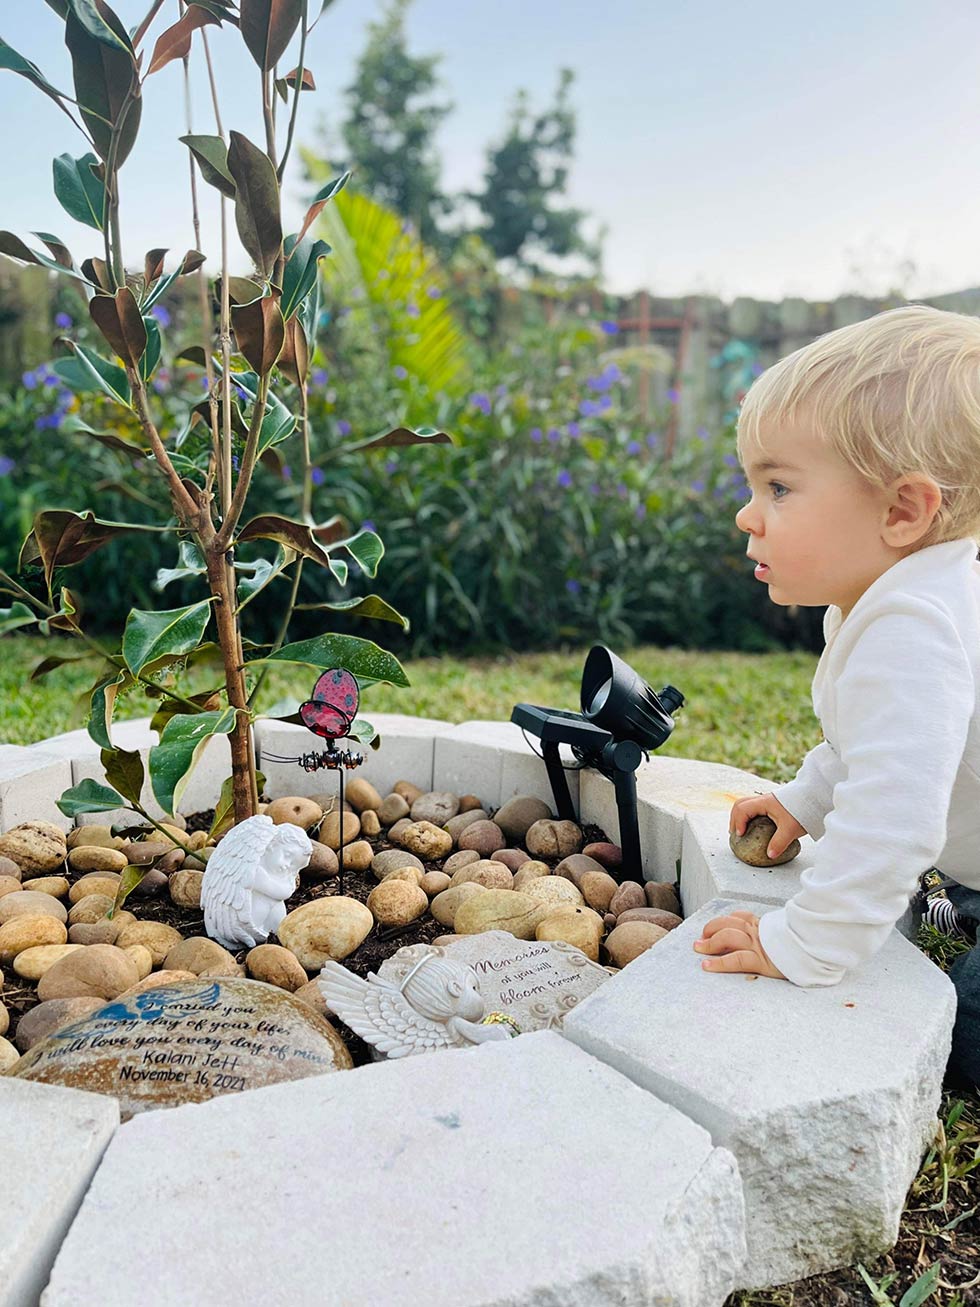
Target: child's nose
point(746, 520)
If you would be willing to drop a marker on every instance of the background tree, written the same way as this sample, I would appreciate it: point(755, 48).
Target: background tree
point(523, 177)
point(391, 124)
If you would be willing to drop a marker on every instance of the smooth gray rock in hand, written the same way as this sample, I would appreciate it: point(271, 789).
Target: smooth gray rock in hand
point(750, 847)
point(435, 1005)
point(248, 878)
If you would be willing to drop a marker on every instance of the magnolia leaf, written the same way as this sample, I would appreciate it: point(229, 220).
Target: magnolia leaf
point(294, 361)
point(320, 200)
point(175, 42)
point(191, 261)
point(16, 63)
point(79, 186)
point(153, 266)
point(131, 443)
point(361, 657)
point(260, 332)
point(206, 701)
point(151, 355)
point(96, 272)
point(102, 704)
point(267, 27)
point(106, 376)
point(367, 550)
point(368, 606)
point(263, 571)
point(191, 563)
point(307, 83)
point(14, 248)
point(224, 809)
point(54, 661)
point(89, 796)
point(64, 619)
point(118, 318)
point(150, 635)
point(299, 274)
point(128, 881)
point(298, 536)
point(257, 200)
point(124, 770)
point(402, 436)
point(181, 745)
point(16, 615)
point(59, 250)
point(106, 76)
point(60, 538)
point(211, 155)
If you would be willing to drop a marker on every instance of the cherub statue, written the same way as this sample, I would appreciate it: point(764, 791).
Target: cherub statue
point(437, 1005)
point(248, 877)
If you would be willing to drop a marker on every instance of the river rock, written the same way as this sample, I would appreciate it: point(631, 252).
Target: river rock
point(156, 936)
point(577, 926)
point(326, 928)
point(553, 839)
point(56, 886)
point(397, 902)
point(157, 978)
point(393, 809)
point(554, 891)
point(188, 1042)
point(152, 882)
point(456, 825)
point(11, 885)
point(662, 894)
point(395, 832)
point(404, 873)
point(323, 863)
point(491, 875)
point(203, 956)
point(35, 846)
point(536, 983)
point(608, 854)
point(598, 888)
point(32, 963)
point(9, 868)
point(358, 856)
point(362, 796)
point(4, 1019)
point(469, 803)
point(499, 909)
point(312, 995)
point(45, 1018)
point(631, 939)
point(516, 817)
point(295, 811)
point(94, 835)
point(29, 932)
point(330, 829)
point(185, 888)
point(434, 882)
point(9, 1057)
point(462, 858)
point(89, 909)
point(437, 806)
point(98, 971)
point(669, 920)
point(629, 894)
point(28, 904)
point(95, 882)
point(750, 847)
point(141, 957)
point(92, 857)
point(575, 866)
point(391, 859)
point(408, 791)
point(484, 836)
point(370, 823)
point(513, 858)
point(445, 905)
point(103, 931)
point(426, 840)
point(276, 966)
point(140, 853)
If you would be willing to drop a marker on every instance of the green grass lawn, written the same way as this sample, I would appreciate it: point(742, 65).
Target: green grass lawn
point(748, 710)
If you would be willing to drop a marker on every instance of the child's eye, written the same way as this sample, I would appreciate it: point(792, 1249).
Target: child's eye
point(776, 486)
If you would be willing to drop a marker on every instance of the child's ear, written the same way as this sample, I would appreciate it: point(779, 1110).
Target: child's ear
point(913, 502)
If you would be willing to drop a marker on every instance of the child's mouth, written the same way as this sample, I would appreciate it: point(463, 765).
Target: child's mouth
point(761, 571)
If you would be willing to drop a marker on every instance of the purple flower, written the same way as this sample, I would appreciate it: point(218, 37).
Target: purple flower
point(7, 465)
point(610, 328)
point(234, 462)
point(63, 321)
point(240, 391)
point(49, 420)
point(536, 435)
point(319, 377)
point(412, 310)
point(595, 488)
point(757, 369)
point(589, 408)
point(434, 292)
point(162, 314)
point(501, 392)
point(604, 403)
point(641, 512)
point(344, 428)
point(653, 440)
point(367, 525)
point(634, 447)
point(316, 476)
point(622, 490)
point(573, 587)
point(574, 430)
point(673, 394)
point(554, 435)
point(391, 465)
point(287, 472)
point(730, 460)
point(159, 385)
point(704, 433)
point(611, 373)
point(564, 479)
point(697, 486)
point(481, 401)
point(29, 380)
point(399, 373)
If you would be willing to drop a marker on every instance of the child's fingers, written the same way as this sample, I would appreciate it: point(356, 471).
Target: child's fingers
point(726, 940)
point(742, 960)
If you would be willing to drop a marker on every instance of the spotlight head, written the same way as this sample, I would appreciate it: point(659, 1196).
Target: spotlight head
point(618, 699)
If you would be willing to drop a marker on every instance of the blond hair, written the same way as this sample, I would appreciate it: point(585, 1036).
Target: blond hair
point(897, 393)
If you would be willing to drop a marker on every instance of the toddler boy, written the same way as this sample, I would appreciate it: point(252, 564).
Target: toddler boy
point(862, 452)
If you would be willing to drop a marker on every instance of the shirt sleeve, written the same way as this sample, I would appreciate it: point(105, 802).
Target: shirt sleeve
point(905, 699)
point(809, 797)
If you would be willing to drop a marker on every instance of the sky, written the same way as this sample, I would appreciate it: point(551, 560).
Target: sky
point(761, 149)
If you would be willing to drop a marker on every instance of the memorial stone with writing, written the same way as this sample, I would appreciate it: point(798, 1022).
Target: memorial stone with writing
point(187, 1042)
point(536, 983)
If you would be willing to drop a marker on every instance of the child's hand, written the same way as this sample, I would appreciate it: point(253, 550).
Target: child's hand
point(734, 943)
point(788, 828)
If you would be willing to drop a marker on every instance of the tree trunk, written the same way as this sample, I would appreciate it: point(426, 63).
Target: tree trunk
point(221, 578)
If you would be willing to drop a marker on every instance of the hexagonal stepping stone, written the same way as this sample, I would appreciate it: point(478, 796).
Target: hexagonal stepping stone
point(826, 1096)
point(522, 1172)
point(51, 1141)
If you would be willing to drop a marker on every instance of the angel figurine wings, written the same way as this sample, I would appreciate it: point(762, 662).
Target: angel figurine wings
point(247, 880)
point(437, 1005)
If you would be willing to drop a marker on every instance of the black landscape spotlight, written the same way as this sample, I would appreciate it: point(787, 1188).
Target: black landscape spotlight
point(621, 721)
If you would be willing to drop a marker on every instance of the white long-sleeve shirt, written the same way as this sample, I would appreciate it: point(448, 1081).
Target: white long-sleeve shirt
point(894, 788)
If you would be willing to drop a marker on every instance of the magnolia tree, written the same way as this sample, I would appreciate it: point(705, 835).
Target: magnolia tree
point(258, 338)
